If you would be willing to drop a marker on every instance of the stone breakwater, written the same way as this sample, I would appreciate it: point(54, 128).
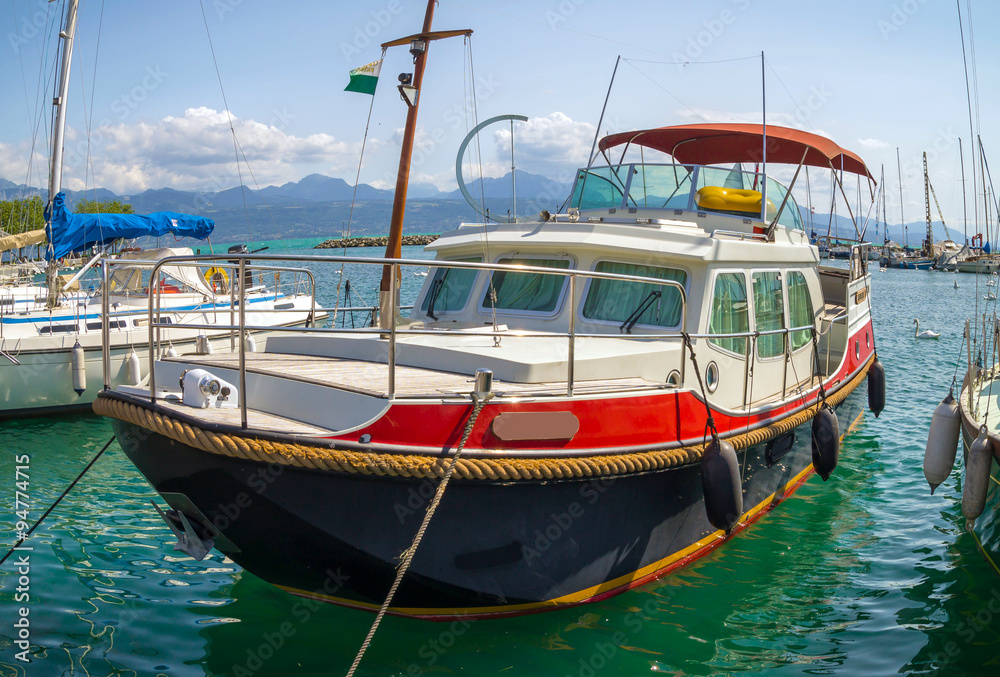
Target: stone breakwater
point(373, 241)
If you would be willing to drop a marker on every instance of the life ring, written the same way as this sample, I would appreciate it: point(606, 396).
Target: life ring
point(217, 279)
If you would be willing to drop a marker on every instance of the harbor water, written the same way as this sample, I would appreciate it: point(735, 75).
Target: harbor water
point(865, 574)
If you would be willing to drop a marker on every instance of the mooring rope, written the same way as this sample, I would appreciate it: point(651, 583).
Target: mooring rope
point(408, 554)
point(61, 497)
point(709, 421)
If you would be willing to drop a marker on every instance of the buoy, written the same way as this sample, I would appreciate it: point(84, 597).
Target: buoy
point(825, 441)
point(876, 387)
point(942, 442)
point(977, 477)
point(721, 484)
point(250, 344)
point(134, 374)
point(170, 351)
point(79, 368)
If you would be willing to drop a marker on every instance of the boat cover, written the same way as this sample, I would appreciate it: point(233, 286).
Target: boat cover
point(713, 144)
point(69, 232)
point(32, 237)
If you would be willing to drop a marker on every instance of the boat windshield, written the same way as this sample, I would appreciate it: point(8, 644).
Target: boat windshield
point(675, 186)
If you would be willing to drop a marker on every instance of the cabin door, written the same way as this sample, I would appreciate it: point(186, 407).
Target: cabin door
point(769, 347)
point(725, 369)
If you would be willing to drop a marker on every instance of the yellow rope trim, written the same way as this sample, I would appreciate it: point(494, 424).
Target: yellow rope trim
point(421, 466)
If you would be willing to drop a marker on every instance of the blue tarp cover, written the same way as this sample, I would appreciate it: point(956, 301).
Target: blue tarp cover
point(69, 232)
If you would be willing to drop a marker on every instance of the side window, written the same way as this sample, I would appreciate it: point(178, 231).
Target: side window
point(729, 312)
point(635, 302)
point(449, 288)
point(800, 312)
point(531, 292)
point(769, 309)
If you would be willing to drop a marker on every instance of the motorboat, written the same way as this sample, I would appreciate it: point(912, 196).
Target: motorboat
point(576, 404)
point(579, 376)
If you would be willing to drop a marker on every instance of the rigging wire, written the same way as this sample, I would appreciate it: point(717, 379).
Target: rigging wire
point(676, 98)
point(229, 115)
point(482, 191)
point(548, 24)
point(354, 195)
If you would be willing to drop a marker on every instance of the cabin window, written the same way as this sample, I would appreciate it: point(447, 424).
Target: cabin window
point(729, 312)
point(790, 217)
point(450, 288)
point(57, 329)
point(600, 187)
point(660, 186)
point(769, 310)
point(531, 292)
point(800, 313)
point(620, 300)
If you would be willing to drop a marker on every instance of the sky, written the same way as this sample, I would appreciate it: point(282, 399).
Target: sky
point(156, 87)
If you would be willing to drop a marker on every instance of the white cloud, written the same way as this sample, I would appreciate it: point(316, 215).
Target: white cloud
point(554, 146)
point(195, 151)
point(872, 143)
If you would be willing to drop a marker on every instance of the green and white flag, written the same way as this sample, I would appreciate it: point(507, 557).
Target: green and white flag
point(365, 78)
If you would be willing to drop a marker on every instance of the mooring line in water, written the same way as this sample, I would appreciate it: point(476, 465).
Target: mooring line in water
point(61, 497)
point(412, 550)
point(984, 551)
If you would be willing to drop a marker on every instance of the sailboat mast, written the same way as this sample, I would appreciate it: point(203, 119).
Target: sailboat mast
point(58, 134)
point(902, 221)
point(59, 128)
point(394, 246)
point(927, 209)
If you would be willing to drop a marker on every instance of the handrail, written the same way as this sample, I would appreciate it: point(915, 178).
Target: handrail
point(392, 333)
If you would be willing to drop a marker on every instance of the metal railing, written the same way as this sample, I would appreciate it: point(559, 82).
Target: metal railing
point(238, 319)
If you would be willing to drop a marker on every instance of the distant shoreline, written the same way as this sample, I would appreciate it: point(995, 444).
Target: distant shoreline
point(374, 241)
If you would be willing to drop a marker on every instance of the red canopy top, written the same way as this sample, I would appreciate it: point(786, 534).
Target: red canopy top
point(713, 144)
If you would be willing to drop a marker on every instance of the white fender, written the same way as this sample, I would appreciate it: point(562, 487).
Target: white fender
point(942, 442)
point(79, 368)
point(134, 373)
point(977, 477)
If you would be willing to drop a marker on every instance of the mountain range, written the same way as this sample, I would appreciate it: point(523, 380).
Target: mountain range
point(320, 206)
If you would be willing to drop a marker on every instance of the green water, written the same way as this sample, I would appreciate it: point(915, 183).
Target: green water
point(866, 574)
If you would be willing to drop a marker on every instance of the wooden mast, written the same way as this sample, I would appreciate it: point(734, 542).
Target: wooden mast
point(393, 247)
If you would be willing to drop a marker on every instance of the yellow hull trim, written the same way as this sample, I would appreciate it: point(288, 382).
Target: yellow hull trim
point(581, 595)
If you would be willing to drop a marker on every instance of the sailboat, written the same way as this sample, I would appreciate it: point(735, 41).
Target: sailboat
point(59, 344)
point(576, 405)
point(973, 417)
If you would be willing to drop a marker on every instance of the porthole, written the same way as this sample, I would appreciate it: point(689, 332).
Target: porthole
point(857, 349)
point(868, 339)
point(712, 377)
point(674, 379)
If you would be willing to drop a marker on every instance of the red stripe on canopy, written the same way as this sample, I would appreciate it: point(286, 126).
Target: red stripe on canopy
point(713, 144)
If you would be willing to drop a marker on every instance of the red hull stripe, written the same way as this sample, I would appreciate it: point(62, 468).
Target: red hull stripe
point(608, 422)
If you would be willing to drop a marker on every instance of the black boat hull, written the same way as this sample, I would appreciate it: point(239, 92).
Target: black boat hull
point(493, 548)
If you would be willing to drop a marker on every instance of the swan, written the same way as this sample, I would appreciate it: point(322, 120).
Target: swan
point(925, 334)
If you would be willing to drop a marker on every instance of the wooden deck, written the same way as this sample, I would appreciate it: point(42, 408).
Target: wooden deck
point(256, 420)
point(372, 378)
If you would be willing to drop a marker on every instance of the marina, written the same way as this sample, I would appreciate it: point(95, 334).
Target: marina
point(640, 417)
point(865, 573)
